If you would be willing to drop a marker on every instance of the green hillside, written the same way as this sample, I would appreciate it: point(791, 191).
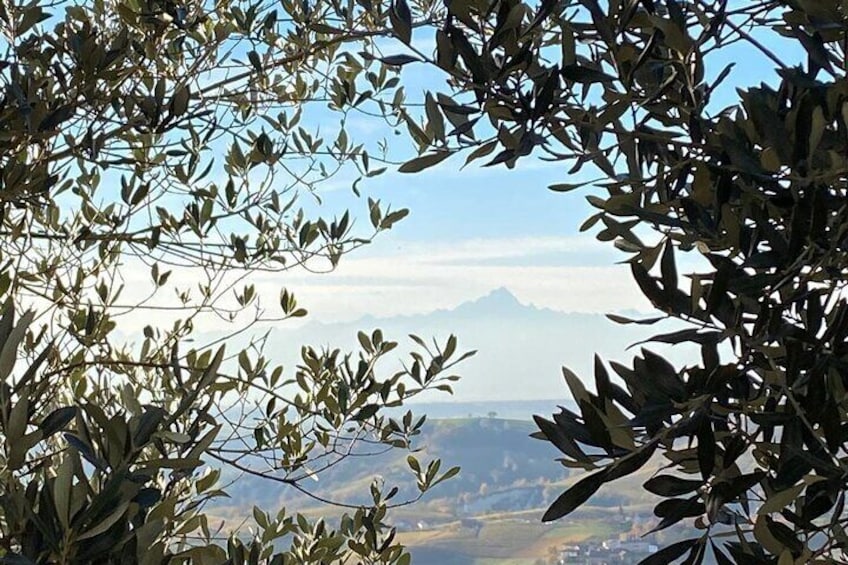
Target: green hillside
point(502, 470)
point(490, 513)
point(495, 456)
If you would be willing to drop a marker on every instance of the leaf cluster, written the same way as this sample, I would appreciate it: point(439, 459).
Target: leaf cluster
point(753, 434)
point(153, 155)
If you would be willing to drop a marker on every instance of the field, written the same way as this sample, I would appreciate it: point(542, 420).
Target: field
point(505, 540)
point(490, 514)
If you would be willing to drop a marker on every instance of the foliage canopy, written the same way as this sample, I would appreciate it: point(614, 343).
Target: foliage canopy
point(152, 154)
point(748, 186)
point(103, 434)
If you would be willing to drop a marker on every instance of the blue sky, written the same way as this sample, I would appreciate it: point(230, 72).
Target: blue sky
point(476, 229)
point(470, 231)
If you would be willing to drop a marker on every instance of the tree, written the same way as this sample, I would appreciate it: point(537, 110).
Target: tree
point(151, 158)
point(753, 183)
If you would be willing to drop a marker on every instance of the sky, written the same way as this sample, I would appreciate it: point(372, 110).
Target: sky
point(474, 229)
point(470, 230)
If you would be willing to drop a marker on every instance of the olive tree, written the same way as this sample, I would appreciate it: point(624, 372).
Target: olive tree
point(750, 183)
point(153, 155)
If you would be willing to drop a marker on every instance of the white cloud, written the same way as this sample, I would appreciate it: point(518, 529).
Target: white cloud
point(481, 249)
point(400, 278)
point(417, 278)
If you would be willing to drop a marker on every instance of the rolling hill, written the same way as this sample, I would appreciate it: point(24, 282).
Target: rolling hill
point(487, 515)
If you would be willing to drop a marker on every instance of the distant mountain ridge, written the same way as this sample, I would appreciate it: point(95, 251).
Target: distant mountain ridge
point(497, 301)
point(521, 347)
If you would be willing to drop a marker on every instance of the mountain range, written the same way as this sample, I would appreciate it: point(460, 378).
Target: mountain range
point(520, 347)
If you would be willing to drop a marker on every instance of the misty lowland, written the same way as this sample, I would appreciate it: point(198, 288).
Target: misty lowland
point(472, 282)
